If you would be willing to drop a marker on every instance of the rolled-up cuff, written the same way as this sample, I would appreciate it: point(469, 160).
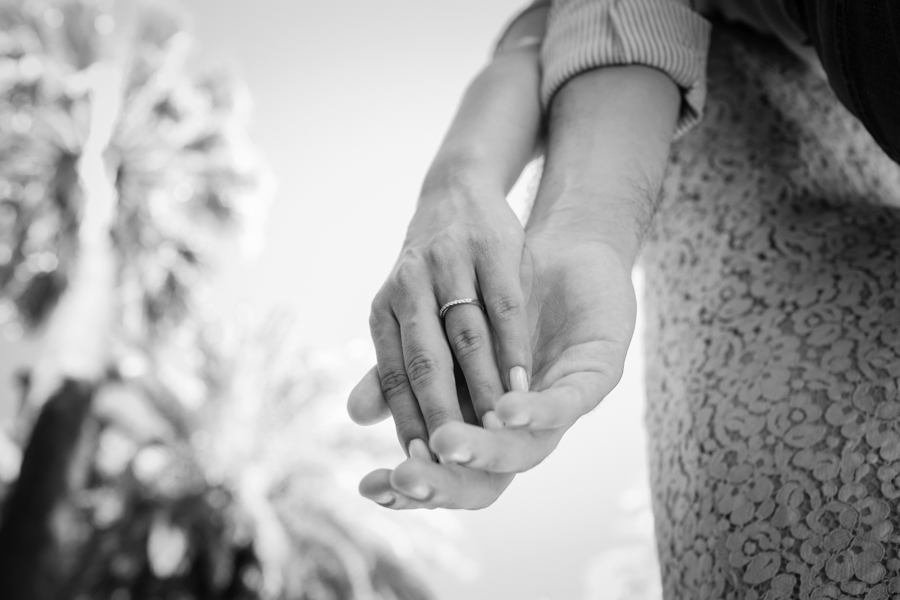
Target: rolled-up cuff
point(664, 34)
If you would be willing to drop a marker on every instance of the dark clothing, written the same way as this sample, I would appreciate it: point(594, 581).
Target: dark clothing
point(858, 43)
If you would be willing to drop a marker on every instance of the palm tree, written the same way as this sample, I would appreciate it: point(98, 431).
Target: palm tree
point(120, 167)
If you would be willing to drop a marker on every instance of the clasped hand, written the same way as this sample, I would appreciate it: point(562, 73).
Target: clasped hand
point(561, 309)
point(559, 299)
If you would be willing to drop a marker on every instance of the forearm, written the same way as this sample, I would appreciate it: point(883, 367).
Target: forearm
point(608, 142)
point(496, 129)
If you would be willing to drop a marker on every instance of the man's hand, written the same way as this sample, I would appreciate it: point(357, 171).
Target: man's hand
point(581, 310)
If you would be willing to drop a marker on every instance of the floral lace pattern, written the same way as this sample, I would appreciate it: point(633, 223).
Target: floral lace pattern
point(773, 333)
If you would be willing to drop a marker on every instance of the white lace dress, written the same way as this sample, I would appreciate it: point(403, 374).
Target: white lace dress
point(773, 332)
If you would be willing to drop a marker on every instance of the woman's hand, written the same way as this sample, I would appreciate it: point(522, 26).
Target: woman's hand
point(581, 310)
point(461, 243)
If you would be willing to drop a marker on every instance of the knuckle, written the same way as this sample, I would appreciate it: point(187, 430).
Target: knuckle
point(407, 277)
point(445, 250)
point(421, 368)
point(393, 383)
point(505, 306)
point(467, 341)
point(435, 416)
point(377, 316)
point(442, 246)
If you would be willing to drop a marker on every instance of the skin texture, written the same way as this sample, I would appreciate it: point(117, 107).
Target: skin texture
point(608, 139)
point(582, 327)
point(464, 241)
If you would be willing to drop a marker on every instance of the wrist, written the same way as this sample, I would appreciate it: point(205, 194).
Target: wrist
point(495, 131)
point(611, 223)
point(608, 145)
point(465, 174)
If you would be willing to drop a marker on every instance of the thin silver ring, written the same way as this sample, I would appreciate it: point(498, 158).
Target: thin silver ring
point(453, 303)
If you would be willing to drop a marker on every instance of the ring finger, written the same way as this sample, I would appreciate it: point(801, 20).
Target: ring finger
point(469, 335)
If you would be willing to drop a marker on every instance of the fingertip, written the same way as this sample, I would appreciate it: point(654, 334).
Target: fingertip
point(375, 483)
point(408, 479)
point(515, 356)
point(448, 439)
point(419, 449)
point(515, 363)
point(518, 379)
point(490, 420)
point(377, 487)
point(514, 409)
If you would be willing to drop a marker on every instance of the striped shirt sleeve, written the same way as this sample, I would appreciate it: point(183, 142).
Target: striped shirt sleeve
point(665, 34)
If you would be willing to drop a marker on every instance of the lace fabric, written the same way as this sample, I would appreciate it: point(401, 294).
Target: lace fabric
point(772, 340)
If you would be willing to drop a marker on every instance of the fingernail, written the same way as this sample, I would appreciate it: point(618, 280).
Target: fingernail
point(519, 420)
point(490, 420)
point(420, 491)
point(518, 379)
point(385, 500)
point(459, 456)
point(419, 449)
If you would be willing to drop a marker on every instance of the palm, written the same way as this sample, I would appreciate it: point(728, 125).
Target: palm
point(582, 310)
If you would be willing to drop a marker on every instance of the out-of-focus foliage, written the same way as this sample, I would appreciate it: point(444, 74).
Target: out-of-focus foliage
point(219, 464)
point(184, 169)
point(243, 487)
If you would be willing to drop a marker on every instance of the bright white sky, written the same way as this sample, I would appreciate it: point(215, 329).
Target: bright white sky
point(351, 100)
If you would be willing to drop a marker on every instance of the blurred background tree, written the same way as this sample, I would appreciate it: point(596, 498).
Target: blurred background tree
point(165, 455)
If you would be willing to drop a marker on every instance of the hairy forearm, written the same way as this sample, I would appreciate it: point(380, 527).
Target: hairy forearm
point(496, 129)
point(608, 141)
